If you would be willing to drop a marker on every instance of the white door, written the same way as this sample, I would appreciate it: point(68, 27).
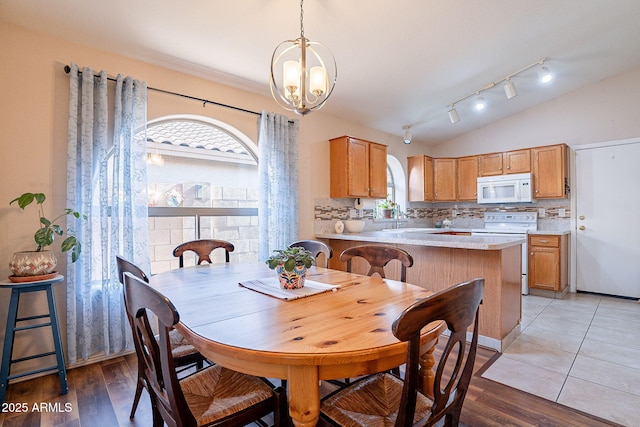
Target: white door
point(608, 219)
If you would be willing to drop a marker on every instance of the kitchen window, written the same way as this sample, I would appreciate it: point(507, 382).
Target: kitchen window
point(396, 189)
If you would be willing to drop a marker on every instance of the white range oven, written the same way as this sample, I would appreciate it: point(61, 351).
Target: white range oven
point(501, 224)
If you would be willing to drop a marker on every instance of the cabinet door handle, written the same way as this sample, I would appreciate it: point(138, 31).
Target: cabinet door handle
point(544, 241)
point(508, 167)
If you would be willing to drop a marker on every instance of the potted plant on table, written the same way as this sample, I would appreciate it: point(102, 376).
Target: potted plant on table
point(291, 265)
point(42, 262)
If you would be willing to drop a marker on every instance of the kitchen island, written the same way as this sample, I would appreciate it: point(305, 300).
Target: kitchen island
point(446, 257)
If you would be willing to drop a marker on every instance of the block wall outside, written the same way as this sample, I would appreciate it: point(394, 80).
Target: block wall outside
point(165, 233)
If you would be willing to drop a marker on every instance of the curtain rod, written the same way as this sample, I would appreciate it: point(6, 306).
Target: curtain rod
point(67, 70)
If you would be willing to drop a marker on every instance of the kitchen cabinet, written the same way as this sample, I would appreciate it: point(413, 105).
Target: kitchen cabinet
point(358, 168)
point(467, 174)
point(444, 180)
point(516, 161)
point(420, 173)
point(454, 179)
point(549, 171)
point(548, 262)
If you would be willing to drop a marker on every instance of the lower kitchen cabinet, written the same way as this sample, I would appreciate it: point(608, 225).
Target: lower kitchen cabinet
point(548, 262)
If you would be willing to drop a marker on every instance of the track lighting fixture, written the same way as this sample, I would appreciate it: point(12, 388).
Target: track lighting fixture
point(453, 115)
point(480, 104)
point(407, 134)
point(509, 87)
point(544, 74)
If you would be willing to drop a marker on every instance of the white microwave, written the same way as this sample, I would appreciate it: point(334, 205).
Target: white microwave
point(515, 188)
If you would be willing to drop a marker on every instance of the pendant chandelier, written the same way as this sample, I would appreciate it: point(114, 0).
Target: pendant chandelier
point(303, 73)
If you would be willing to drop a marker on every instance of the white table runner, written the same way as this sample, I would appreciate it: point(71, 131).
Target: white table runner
point(271, 286)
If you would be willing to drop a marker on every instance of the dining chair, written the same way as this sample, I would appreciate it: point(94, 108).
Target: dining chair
point(378, 256)
point(384, 397)
point(203, 249)
point(184, 354)
point(213, 396)
point(316, 248)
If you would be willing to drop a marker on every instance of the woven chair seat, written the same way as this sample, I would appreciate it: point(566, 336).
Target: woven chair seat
point(372, 402)
point(180, 346)
point(233, 392)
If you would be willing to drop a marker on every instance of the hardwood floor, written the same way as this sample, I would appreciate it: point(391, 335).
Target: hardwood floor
point(101, 395)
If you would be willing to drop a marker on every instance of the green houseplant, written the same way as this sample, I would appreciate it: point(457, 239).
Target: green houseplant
point(387, 207)
point(43, 237)
point(291, 266)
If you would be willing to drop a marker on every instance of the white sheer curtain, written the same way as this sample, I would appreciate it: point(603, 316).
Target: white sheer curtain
point(106, 180)
point(278, 183)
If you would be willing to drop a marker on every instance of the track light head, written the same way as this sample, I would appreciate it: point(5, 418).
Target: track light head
point(453, 115)
point(510, 89)
point(480, 104)
point(545, 75)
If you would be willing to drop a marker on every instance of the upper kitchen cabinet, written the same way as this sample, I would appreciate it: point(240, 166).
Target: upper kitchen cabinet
point(444, 180)
point(517, 161)
point(420, 178)
point(358, 168)
point(467, 171)
point(549, 170)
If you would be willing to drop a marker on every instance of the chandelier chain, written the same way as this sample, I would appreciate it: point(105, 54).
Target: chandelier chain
point(301, 19)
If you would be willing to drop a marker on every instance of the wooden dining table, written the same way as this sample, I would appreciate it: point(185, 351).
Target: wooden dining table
point(332, 335)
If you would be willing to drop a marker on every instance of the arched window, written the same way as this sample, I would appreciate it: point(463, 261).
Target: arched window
point(202, 179)
point(396, 183)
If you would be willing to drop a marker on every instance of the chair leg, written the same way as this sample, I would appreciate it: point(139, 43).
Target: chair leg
point(281, 414)
point(136, 398)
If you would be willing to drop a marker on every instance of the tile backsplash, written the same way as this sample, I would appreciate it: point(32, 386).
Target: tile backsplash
point(463, 215)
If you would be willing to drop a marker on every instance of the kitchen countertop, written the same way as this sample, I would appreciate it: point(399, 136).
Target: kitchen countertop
point(429, 237)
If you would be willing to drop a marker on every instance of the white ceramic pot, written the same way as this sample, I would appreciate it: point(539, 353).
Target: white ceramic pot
point(32, 263)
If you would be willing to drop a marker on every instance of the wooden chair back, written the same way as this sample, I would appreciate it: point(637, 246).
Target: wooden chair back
point(378, 256)
point(158, 363)
point(458, 308)
point(316, 248)
point(129, 267)
point(203, 249)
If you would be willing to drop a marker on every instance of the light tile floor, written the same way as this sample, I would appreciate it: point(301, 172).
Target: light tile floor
point(582, 351)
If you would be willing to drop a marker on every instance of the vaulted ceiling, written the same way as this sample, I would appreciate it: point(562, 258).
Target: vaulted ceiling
point(400, 62)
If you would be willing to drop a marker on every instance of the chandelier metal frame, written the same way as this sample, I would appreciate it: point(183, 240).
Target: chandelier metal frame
point(307, 96)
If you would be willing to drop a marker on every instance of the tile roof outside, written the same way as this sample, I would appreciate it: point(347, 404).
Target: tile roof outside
point(195, 135)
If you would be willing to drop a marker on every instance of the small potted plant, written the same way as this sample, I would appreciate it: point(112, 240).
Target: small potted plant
point(41, 261)
point(291, 266)
point(387, 208)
